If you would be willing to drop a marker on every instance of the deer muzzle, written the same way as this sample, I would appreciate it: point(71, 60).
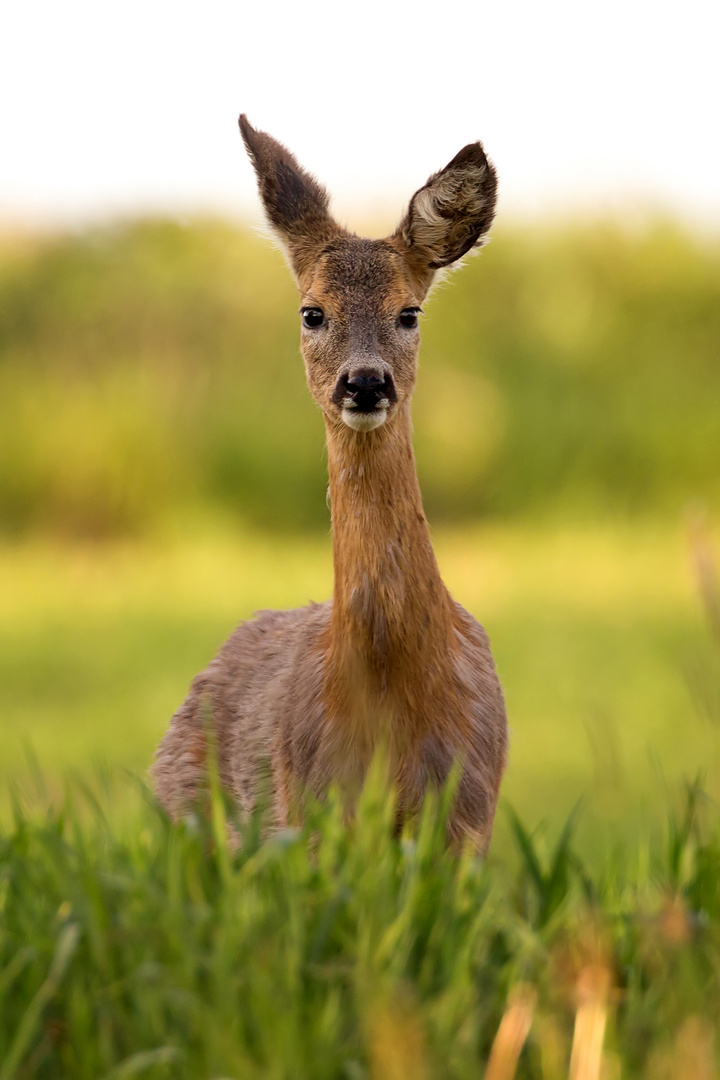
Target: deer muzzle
point(364, 396)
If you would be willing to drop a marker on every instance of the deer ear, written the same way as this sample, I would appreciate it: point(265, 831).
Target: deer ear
point(296, 205)
point(452, 212)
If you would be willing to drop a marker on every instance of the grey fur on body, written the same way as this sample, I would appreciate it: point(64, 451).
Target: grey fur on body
point(263, 694)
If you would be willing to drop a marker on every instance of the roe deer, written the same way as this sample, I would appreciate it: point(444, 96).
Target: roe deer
point(305, 696)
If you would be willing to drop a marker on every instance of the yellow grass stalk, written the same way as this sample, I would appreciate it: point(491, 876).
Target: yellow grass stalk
point(705, 567)
point(512, 1033)
point(593, 989)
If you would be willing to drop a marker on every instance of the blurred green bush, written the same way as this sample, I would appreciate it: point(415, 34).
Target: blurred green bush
point(150, 369)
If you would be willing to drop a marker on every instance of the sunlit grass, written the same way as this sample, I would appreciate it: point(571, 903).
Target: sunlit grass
point(598, 634)
point(340, 950)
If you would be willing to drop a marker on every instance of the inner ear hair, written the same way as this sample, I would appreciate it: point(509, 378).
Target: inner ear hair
point(453, 211)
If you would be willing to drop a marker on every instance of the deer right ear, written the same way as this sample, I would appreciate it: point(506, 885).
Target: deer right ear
point(296, 205)
point(451, 213)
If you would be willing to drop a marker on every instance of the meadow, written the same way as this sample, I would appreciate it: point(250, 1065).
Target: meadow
point(137, 948)
point(600, 638)
point(162, 477)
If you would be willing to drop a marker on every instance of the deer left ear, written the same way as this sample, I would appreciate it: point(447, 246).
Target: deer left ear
point(452, 212)
point(295, 203)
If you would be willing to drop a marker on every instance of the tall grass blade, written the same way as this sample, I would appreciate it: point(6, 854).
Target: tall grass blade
point(590, 1022)
point(146, 1059)
point(26, 1029)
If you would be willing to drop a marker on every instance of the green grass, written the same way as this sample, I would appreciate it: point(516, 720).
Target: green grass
point(340, 950)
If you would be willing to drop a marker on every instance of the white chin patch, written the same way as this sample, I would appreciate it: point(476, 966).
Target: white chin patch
point(364, 421)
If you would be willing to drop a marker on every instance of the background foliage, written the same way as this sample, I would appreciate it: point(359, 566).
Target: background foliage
point(151, 367)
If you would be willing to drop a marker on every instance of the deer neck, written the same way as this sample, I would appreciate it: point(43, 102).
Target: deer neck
point(391, 627)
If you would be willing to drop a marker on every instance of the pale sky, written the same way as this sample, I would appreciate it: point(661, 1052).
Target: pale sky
point(117, 108)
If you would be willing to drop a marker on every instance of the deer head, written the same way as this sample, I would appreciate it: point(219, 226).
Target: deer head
point(360, 299)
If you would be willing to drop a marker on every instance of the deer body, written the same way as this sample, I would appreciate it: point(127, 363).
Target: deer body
point(308, 695)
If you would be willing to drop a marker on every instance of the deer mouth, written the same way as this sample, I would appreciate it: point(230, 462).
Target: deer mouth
point(364, 419)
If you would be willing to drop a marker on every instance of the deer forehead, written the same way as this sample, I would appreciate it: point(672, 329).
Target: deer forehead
point(354, 276)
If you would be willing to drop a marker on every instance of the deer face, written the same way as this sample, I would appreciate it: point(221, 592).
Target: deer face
point(360, 335)
point(360, 299)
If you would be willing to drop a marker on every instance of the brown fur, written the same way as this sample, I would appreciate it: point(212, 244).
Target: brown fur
point(304, 697)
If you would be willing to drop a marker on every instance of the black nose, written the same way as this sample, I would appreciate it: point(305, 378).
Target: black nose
point(363, 388)
point(365, 380)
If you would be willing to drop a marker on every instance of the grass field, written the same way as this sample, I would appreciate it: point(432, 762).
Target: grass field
point(341, 951)
point(599, 635)
point(585, 948)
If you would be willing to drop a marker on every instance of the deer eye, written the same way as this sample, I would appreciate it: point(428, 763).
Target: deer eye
point(312, 317)
point(409, 318)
